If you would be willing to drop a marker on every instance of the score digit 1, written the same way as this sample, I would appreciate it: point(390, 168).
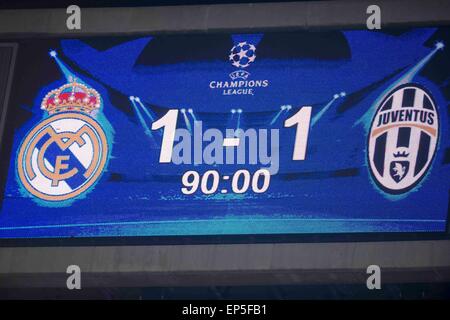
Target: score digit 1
point(169, 123)
point(302, 120)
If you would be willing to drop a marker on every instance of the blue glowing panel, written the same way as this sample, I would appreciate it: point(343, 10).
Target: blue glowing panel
point(229, 134)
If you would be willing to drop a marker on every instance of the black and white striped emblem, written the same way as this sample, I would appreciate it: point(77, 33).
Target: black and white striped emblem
point(403, 138)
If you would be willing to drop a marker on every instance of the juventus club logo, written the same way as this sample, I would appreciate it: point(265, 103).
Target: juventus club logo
point(65, 154)
point(403, 138)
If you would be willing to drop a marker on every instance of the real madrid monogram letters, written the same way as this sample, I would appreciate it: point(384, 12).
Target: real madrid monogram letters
point(64, 155)
point(403, 138)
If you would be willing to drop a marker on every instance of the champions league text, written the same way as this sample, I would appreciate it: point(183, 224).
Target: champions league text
point(238, 87)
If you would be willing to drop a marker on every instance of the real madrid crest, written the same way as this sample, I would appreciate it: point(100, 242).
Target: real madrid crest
point(403, 138)
point(64, 155)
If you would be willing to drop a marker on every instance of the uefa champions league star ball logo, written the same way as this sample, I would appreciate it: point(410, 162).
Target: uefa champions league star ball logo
point(64, 155)
point(403, 139)
point(242, 54)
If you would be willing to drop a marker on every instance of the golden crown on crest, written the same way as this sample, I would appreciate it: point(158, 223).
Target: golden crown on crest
point(72, 96)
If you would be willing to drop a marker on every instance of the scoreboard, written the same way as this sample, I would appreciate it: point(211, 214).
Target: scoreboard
point(300, 132)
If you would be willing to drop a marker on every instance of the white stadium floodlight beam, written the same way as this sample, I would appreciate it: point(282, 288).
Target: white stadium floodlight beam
point(144, 108)
point(194, 117)
point(144, 125)
point(186, 119)
point(324, 109)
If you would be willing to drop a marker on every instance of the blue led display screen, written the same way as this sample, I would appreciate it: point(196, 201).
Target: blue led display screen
point(304, 132)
